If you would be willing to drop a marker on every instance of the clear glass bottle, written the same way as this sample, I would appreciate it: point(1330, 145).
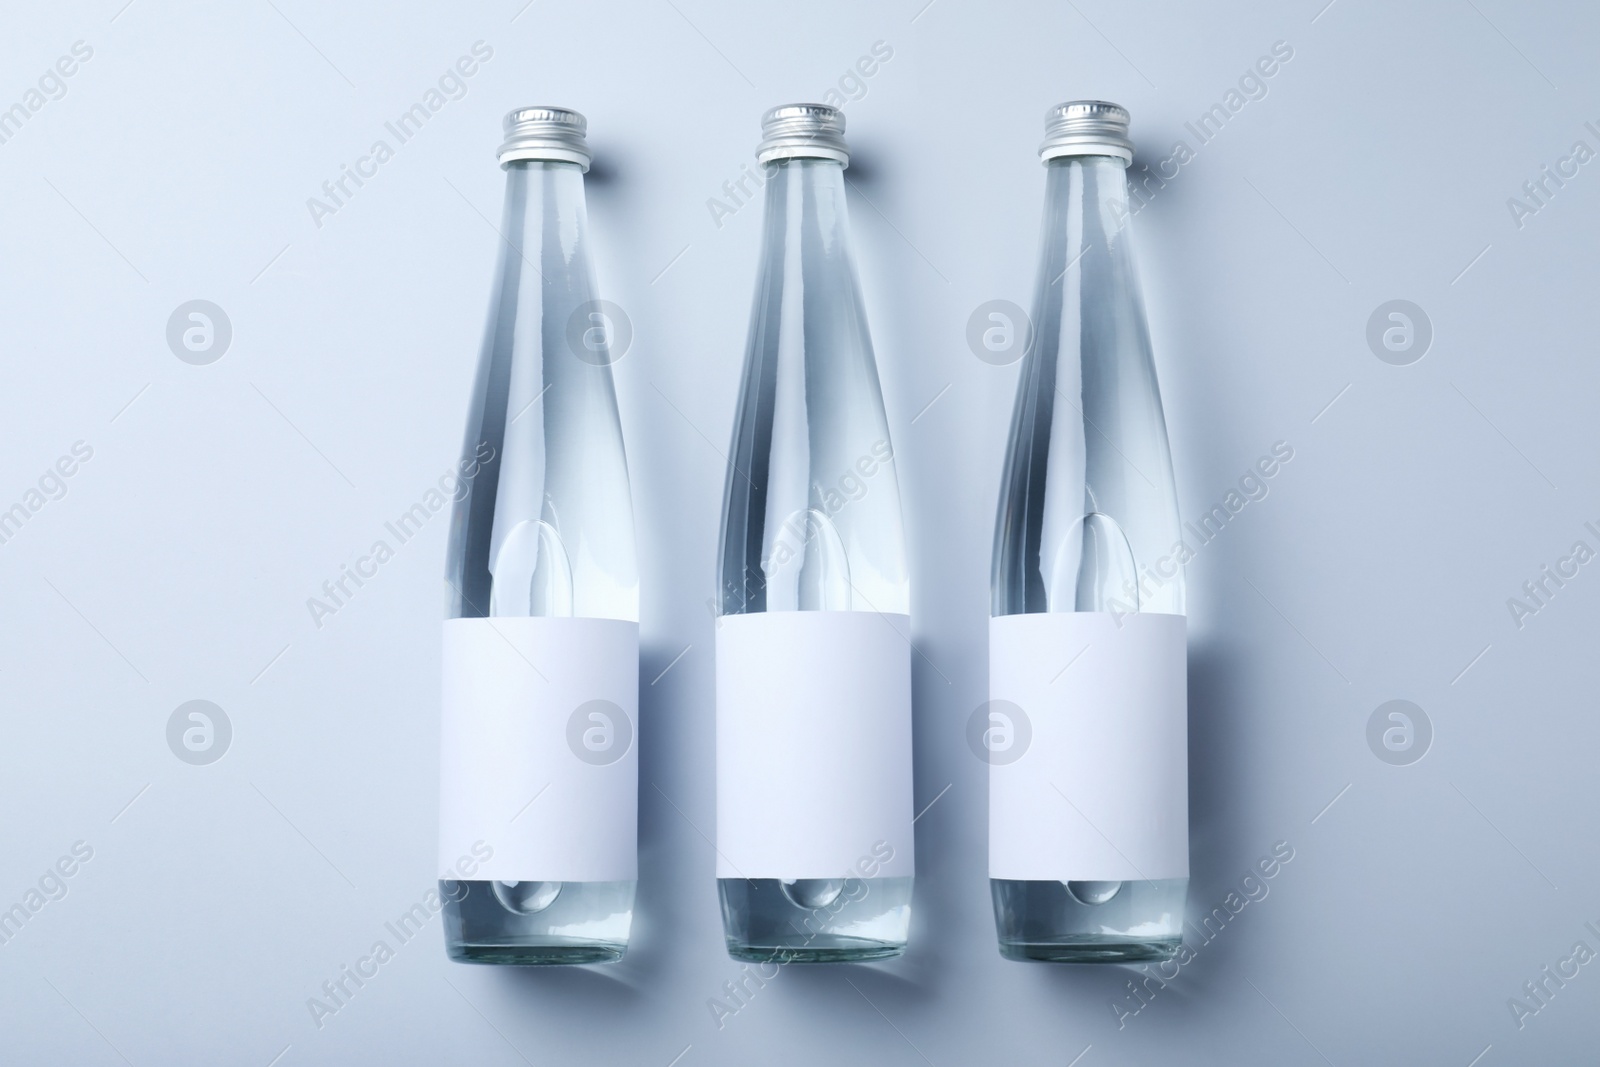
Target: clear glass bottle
point(1088, 521)
point(543, 524)
point(812, 527)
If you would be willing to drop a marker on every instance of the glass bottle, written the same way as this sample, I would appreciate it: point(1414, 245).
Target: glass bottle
point(814, 814)
point(1087, 726)
point(539, 783)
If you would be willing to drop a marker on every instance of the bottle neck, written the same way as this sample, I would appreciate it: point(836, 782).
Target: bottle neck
point(808, 295)
point(1086, 220)
point(545, 215)
point(1088, 311)
point(805, 212)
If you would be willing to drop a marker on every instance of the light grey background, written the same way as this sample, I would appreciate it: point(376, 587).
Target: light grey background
point(177, 566)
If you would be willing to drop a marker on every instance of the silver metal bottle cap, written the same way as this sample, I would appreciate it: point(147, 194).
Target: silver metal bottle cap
point(802, 131)
point(1086, 128)
point(549, 133)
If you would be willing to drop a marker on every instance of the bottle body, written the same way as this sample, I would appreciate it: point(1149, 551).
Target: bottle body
point(1087, 634)
point(539, 789)
point(813, 643)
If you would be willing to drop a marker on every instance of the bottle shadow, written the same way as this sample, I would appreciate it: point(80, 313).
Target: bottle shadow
point(1220, 754)
point(603, 173)
point(864, 168)
point(942, 889)
point(883, 983)
point(580, 988)
point(945, 776)
point(668, 879)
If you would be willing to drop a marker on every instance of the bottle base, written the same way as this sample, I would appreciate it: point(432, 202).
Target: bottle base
point(1089, 922)
point(536, 924)
point(841, 950)
point(528, 955)
point(845, 920)
point(1090, 950)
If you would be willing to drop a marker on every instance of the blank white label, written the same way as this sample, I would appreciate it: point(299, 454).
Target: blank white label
point(540, 755)
point(814, 745)
point(1088, 747)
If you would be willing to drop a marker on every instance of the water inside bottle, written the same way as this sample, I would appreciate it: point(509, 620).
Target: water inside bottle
point(807, 567)
point(532, 574)
point(1094, 566)
point(813, 892)
point(526, 898)
point(1106, 571)
point(1093, 892)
